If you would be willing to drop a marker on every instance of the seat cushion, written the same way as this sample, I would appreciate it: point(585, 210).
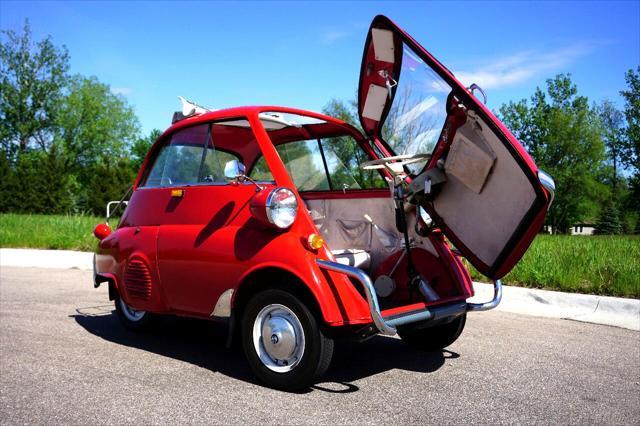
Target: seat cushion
point(353, 257)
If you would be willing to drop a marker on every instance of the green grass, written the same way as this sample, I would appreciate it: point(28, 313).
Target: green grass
point(608, 265)
point(48, 232)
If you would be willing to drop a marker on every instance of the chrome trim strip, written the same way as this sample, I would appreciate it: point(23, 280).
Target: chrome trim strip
point(95, 272)
point(497, 297)
point(549, 184)
point(223, 305)
point(369, 292)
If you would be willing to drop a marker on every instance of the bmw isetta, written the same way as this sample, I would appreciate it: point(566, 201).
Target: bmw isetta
point(296, 228)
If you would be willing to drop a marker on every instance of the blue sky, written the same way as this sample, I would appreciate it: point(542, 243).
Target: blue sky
point(303, 54)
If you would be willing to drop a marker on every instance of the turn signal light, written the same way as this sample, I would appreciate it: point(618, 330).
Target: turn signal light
point(315, 241)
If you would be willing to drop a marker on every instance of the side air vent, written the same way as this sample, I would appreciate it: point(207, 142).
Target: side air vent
point(137, 279)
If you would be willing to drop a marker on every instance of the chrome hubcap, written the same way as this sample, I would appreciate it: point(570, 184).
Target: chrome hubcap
point(278, 338)
point(130, 313)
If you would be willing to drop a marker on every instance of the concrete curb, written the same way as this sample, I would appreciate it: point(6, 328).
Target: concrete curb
point(614, 311)
point(57, 259)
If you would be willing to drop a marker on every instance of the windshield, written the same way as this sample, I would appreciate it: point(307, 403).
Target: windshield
point(418, 113)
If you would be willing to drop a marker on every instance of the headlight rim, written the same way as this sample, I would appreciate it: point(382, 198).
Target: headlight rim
point(270, 206)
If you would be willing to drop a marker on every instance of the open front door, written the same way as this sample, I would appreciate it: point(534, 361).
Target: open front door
point(480, 186)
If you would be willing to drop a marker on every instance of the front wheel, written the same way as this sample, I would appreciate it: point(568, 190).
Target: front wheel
point(132, 319)
point(283, 342)
point(434, 338)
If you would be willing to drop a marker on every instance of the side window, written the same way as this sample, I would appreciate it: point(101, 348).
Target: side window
point(344, 156)
point(215, 159)
point(321, 165)
point(261, 172)
point(303, 161)
point(184, 160)
point(178, 162)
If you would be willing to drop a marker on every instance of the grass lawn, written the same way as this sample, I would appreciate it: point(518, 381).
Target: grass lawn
point(48, 231)
point(608, 265)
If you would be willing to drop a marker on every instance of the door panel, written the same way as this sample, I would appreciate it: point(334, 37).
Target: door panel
point(491, 204)
point(485, 221)
point(196, 245)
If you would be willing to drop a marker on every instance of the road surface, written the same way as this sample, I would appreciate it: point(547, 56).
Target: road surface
point(64, 358)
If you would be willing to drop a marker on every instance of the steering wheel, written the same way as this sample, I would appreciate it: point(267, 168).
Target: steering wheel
point(396, 160)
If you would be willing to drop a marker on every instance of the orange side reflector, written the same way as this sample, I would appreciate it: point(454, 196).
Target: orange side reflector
point(177, 192)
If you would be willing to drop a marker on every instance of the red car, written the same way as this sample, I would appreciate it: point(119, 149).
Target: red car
point(296, 228)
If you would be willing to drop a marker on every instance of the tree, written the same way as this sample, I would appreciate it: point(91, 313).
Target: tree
point(613, 133)
point(631, 154)
point(32, 76)
point(141, 146)
point(563, 134)
point(347, 112)
point(609, 221)
point(631, 96)
point(93, 124)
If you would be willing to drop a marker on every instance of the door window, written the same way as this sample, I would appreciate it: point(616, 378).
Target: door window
point(418, 112)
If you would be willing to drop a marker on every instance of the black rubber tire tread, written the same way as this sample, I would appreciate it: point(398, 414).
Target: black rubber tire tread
point(143, 324)
point(433, 338)
point(318, 347)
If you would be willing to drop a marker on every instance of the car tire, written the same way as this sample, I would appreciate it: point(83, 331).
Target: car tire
point(131, 318)
point(433, 338)
point(283, 342)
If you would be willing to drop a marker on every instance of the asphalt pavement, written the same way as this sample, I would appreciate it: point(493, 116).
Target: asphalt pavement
point(64, 358)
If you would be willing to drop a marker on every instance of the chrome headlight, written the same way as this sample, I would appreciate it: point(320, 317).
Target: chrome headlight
point(281, 207)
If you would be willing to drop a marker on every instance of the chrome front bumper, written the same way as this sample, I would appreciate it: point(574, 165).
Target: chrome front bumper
point(387, 325)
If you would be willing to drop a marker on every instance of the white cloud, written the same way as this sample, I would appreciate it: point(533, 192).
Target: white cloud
point(522, 66)
point(124, 91)
point(332, 36)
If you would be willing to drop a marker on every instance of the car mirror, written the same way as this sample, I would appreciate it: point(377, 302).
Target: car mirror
point(234, 169)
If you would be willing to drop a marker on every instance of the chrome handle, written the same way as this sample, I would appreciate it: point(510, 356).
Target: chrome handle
point(475, 87)
point(549, 184)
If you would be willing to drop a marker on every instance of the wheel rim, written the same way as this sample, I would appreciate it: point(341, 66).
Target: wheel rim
point(130, 313)
point(278, 338)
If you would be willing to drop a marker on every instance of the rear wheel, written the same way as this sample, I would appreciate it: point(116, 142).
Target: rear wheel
point(131, 318)
point(283, 342)
point(434, 338)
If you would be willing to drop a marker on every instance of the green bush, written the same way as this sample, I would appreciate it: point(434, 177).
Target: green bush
point(38, 183)
point(107, 182)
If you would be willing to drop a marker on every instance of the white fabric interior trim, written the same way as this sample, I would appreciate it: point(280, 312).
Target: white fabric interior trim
point(469, 163)
point(375, 102)
point(383, 47)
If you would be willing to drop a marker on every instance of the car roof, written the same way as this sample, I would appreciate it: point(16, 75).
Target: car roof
point(222, 114)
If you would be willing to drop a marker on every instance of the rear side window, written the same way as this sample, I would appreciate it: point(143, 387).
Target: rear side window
point(185, 161)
